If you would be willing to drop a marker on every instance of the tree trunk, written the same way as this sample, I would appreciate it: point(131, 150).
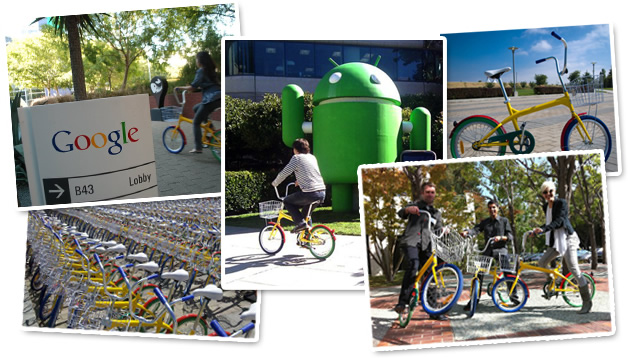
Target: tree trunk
point(76, 58)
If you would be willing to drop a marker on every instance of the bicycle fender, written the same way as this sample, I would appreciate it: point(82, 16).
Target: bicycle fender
point(562, 135)
point(456, 124)
point(280, 228)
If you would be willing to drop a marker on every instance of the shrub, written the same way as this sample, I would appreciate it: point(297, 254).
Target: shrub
point(548, 90)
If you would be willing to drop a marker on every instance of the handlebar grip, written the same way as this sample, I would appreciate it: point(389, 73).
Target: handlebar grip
point(248, 327)
point(218, 329)
point(541, 60)
point(556, 35)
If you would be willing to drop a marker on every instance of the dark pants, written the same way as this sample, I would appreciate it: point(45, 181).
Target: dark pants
point(298, 203)
point(415, 259)
point(494, 253)
point(201, 111)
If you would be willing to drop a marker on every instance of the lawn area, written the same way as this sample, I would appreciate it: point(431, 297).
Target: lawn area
point(343, 223)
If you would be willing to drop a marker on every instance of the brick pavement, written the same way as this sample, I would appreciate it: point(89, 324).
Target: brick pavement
point(538, 317)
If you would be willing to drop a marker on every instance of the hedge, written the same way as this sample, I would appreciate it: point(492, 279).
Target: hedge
point(245, 189)
point(480, 92)
point(548, 90)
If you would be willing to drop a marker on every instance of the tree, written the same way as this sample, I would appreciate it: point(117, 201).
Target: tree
point(540, 80)
point(385, 191)
point(74, 26)
point(574, 77)
point(39, 61)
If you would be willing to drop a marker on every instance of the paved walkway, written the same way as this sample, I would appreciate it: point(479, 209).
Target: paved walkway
point(539, 317)
point(546, 126)
point(184, 173)
point(246, 266)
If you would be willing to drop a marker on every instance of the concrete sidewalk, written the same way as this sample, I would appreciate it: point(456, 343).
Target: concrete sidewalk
point(546, 126)
point(246, 266)
point(539, 317)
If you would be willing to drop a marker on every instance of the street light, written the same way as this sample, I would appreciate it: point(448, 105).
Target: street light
point(514, 81)
point(593, 63)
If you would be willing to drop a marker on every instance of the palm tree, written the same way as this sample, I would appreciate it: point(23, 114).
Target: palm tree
point(74, 25)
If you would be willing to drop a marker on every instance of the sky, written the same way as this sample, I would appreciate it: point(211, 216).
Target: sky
point(470, 54)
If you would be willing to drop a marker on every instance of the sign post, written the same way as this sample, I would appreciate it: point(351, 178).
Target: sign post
point(89, 150)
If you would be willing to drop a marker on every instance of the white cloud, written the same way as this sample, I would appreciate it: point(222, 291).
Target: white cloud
point(541, 46)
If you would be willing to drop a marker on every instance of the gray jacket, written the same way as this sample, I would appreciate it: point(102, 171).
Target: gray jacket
point(417, 230)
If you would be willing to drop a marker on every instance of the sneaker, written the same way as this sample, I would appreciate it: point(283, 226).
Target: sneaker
point(440, 317)
point(196, 151)
point(467, 308)
point(399, 308)
point(300, 227)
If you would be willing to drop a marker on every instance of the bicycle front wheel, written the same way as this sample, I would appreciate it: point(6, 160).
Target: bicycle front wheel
point(571, 293)
point(506, 300)
point(405, 316)
point(440, 292)
point(471, 131)
point(475, 297)
point(574, 138)
point(271, 239)
point(173, 139)
point(323, 241)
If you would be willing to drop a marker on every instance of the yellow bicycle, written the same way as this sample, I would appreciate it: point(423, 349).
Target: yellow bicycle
point(442, 286)
point(174, 139)
point(320, 239)
point(514, 286)
point(480, 135)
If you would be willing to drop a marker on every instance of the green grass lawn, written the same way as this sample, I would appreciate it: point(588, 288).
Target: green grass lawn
point(342, 223)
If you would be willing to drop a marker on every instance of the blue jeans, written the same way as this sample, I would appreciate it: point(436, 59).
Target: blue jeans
point(298, 203)
point(201, 111)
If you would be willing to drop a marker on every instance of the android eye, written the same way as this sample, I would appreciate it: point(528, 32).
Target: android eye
point(374, 79)
point(335, 77)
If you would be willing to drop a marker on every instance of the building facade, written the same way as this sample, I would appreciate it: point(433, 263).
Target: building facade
point(255, 67)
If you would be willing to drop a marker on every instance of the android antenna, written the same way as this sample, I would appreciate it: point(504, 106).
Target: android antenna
point(379, 57)
point(333, 62)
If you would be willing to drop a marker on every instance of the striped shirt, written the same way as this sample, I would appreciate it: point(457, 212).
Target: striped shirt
point(305, 168)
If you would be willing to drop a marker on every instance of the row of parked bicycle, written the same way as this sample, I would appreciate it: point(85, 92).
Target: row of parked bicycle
point(145, 267)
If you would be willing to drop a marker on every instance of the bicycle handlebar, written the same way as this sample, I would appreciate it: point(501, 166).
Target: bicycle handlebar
point(287, 187)
point(564, 70)
point(182, 102)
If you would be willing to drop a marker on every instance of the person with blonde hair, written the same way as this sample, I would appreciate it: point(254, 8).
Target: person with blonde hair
point(562, 240)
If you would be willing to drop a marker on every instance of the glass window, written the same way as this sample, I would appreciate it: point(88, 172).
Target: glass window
point(409, 65)
point(322, 55)
point(239, 58)
point(387, 62)
point(269, 58)
point(358, 54)
point(299, 59)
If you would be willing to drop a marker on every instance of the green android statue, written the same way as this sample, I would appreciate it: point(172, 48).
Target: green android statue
point(356, 120)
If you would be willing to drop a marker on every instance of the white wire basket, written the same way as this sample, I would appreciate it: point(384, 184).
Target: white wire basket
point(170, 113)
point(479, 263)
point(449, 246)
point(586, 94)
point(508, 262)
point(270, 209)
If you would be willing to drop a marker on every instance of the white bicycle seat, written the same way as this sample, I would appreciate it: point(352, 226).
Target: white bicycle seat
point(149, 267)
point(117, 249)
point(178, 275)
point(210, 291)
point(140, 257)
point(249, 315)
point(495, 74)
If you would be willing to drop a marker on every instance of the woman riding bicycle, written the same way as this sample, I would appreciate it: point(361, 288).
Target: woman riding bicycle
point(206, 79)
point(561, 239)
point(305, 167)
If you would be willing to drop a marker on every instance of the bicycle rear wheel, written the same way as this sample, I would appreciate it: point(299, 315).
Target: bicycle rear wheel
point(271, 239)
point(215, 145)
point(185, 326)
point(405, 316)
point(173, 139)
point(440, 292)
point(470, 131)
point(323, 241)
point(571, 293)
